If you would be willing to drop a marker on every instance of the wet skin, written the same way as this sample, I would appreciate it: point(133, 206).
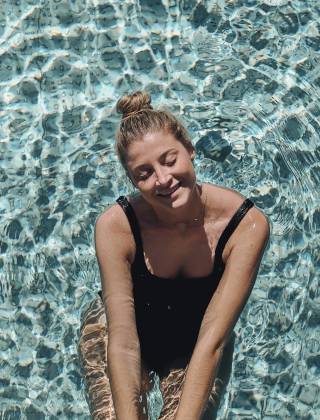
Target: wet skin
point(161, 168)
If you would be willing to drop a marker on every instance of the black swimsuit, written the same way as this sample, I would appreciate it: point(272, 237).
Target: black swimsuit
point(169, 312)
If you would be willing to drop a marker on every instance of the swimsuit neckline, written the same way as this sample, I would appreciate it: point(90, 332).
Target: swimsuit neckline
point(217, 265)
point(179, 277)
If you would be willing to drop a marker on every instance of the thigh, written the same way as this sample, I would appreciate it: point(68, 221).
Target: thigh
point(171, 387)
point(93, 359)
point(171, 390)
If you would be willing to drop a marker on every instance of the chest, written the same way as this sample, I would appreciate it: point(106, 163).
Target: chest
point(170, 253)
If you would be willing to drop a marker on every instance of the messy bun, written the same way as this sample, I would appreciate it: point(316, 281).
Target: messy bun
point(131, 104)
point(139, 119)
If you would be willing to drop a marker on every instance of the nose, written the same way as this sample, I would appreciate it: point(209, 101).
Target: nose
point(163, 176)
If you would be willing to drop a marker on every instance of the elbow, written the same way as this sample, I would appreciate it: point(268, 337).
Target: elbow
point(213, 345)
point(119, 356)
point(123, 345)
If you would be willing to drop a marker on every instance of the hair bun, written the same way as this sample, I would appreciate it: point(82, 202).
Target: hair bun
point(130, 104)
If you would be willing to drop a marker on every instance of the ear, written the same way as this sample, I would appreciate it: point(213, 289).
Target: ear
point(192, 154)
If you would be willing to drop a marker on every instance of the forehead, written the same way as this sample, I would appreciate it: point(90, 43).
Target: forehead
point(152, 146)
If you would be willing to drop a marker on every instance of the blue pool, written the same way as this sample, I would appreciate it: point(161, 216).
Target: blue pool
point(244, 77)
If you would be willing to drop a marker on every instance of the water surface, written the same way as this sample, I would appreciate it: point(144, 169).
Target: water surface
point(244, 77)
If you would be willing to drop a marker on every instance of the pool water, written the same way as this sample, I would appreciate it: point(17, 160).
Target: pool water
point(244, 77)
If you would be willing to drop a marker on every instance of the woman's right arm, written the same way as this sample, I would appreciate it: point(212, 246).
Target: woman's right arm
point(115, 249)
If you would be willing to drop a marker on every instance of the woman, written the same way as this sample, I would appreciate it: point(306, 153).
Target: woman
point(177, 264)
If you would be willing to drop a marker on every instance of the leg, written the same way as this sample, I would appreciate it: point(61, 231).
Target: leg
point(93, 359)
point(92, 353)
point(171, 387)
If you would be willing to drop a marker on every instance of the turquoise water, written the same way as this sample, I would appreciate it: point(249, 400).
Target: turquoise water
point(244, 77)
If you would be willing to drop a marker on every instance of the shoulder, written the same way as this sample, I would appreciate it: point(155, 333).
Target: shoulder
point(223, 199)
point(112, 228)
point(112, 219)
point(226, 201)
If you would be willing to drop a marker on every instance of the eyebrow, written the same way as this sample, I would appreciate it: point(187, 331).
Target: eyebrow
point(163, 155)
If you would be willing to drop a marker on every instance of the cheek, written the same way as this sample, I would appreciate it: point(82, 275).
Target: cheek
point(144, 187)
point(189, 168)
point(190, 173)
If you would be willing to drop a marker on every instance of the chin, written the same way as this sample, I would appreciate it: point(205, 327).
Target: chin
point(181, 200)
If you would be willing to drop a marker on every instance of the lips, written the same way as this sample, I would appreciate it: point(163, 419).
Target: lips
point(168, 193)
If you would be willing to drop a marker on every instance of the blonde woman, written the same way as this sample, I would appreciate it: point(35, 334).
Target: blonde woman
point(177, 264)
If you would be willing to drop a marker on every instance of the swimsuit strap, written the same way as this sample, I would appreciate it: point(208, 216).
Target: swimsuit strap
point(231, 227)
point(228, 231)
point(134, 225)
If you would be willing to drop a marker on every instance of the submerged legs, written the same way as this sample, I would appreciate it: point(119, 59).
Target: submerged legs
point(93, 358)
point(171, 387)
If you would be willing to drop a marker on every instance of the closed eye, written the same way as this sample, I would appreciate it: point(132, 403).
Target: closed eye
point(143, 176)
point(170, 162)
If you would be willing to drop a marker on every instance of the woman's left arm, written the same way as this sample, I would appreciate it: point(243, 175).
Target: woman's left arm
point(222, 313)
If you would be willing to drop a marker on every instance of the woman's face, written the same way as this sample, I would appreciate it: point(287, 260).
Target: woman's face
point(161, 168)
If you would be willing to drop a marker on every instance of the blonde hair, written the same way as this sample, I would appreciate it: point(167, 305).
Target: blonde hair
point(139, 119)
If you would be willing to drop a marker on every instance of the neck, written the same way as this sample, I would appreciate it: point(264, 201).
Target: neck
point(190, 215)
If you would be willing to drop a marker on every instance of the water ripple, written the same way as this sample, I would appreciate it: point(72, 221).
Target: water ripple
point(244, 78)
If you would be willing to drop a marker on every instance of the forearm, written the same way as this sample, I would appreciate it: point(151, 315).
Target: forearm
point(125, 381)
point(198, 383)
